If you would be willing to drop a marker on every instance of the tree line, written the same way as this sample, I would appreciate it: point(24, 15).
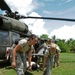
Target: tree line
point(65, 45)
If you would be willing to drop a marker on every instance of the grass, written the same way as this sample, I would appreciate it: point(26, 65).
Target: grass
point(67, 67)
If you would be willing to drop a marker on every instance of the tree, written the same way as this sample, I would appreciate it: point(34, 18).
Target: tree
point(63, 46)
point(45, 36)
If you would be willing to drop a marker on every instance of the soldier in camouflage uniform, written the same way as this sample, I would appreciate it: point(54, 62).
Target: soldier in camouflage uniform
point(57, 56)
point(19, 54)
point(49, 57)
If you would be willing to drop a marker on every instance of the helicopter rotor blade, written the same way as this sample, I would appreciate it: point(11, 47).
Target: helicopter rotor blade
point(4, 6)
point(50, 18)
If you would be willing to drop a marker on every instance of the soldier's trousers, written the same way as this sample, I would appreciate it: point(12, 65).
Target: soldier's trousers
point(49, 65)
point(54, 61)
point(20, 63)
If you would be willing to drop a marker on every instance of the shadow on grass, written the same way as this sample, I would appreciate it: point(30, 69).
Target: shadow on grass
point(8, 67)
point(4, 64)
point(28, 73)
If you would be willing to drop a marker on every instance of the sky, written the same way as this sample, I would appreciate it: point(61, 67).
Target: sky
point(47, 8)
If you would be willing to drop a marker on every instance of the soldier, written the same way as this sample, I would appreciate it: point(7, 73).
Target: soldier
point(34, 65)
point(19, 54)
point(48, 57)
point(57, 56)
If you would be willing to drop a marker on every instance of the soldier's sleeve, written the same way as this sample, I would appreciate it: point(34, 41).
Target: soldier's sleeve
point(22, 42)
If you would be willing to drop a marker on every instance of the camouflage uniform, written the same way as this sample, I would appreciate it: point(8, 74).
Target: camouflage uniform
point(49, 62)
point(58, 50)
point(21, 63)
point(21, 57)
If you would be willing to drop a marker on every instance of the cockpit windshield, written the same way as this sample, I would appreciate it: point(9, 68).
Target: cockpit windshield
point(4, 38)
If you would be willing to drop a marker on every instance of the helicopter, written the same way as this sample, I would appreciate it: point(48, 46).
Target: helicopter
point(13, 29)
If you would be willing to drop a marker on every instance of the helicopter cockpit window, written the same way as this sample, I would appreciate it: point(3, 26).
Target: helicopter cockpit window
point(15, 37)
point(4, 37)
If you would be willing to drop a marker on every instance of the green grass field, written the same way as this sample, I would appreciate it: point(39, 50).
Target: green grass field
point(67, 67)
